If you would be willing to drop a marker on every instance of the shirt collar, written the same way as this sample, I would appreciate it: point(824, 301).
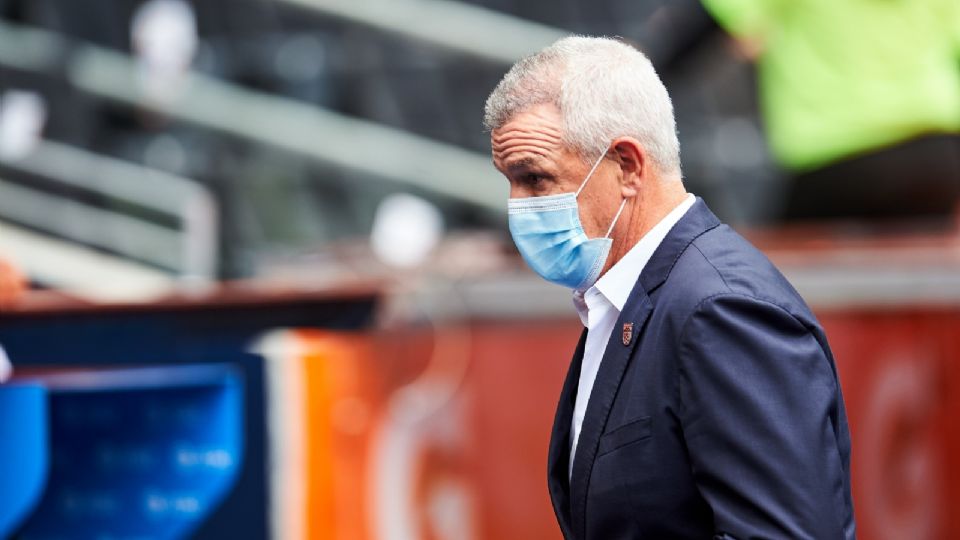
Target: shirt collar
point(617, 283)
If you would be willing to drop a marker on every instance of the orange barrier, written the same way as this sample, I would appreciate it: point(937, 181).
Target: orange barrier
point(414, 435)
point(900, 372)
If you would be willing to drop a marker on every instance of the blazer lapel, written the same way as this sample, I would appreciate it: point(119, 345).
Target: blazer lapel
point(615, 359)
point(559, 456)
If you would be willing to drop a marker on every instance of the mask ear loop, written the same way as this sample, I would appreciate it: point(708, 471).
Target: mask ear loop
point(615, 218)
point(587, 179)
point(590, 174)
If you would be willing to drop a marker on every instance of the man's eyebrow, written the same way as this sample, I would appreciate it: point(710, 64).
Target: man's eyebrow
point(523, 163)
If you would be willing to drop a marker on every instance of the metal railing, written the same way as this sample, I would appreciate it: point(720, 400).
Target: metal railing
point(189, 249)
point(306, 130)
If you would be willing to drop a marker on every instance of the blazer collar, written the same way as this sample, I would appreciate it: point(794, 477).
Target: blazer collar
point(698, 220)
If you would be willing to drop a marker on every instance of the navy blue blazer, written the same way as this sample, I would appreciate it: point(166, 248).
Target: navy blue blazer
point(717, 415)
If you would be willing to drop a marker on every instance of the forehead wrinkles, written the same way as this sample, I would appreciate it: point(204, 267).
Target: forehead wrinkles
point(537, 139)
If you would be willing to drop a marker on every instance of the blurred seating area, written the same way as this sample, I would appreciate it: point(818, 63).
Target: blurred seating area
point(165, 140)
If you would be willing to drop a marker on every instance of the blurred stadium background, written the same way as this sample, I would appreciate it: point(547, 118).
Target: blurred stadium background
point(255, 278)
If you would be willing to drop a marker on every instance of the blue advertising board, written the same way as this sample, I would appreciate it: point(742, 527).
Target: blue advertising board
point(138, 453)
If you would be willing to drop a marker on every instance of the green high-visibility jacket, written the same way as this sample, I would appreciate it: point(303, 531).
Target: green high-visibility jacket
point(842, 77)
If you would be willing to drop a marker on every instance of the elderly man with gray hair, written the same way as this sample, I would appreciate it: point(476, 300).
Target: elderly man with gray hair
point(702, 400)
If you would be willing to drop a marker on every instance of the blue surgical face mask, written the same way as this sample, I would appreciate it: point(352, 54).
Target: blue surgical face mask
point(549, 235)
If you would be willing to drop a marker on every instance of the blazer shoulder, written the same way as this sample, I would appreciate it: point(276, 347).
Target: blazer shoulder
point(722, 262)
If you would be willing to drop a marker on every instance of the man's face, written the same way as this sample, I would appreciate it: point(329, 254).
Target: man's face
point(530, 153)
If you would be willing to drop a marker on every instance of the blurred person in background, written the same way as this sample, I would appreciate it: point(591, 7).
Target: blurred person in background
point(861, 101)
point(702, 400)
point(12, 285)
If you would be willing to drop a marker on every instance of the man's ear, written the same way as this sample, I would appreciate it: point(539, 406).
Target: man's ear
point(632, 158)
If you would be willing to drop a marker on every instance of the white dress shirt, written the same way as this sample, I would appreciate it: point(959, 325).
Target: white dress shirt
point(600, 306)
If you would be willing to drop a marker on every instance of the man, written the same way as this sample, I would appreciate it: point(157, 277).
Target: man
point(702, 400)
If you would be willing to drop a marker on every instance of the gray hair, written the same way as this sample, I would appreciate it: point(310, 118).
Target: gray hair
point(604, 89)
